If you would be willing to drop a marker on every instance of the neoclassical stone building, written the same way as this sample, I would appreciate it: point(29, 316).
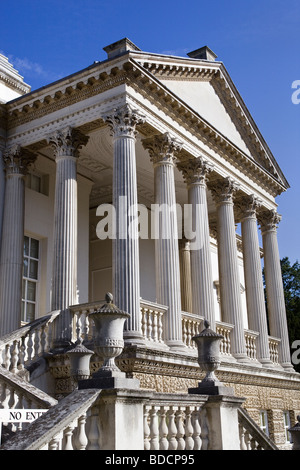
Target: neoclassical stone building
point(125, 136)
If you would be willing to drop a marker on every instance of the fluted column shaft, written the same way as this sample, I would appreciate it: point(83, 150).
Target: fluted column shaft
point(195, 173)
point(185, 275)
point(274, 285)
point(163, 149)
point(66, 144)
point(126, 270)
point(256, 309)
point(16, 161)
point(2, 190)
point(229, 278)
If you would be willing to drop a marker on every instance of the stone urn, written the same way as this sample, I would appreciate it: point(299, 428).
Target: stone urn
point(209, 360)
point(79, 358)
point(108, 342)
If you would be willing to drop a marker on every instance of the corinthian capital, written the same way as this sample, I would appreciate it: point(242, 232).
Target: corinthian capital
point(67, 142)
point(269, 220)
point(123, 121)
point(162, 148)
point(223, 190)
point(17, 160)
point(247, 206)
point(195, 171)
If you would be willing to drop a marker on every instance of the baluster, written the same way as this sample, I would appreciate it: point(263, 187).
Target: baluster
point(155, 330)
point(22, 353)
point(5, 396)
point(43, 338)
point(163, 429)
point(67, 437)
point(180, 428)
point(189, 442)
point(160, 327)
point(154, 431)
point(14, 357)
point(30, 346)
point(172, 429)
point(144, 325)
point(150, 312)
point(81, 440)
point(196, 429)
point(93, 434)
point(54, 444)
point(184, 332)
point(242, 432)
point(204, 429)
point(146, 428)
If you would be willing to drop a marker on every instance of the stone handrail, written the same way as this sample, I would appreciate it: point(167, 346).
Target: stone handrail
point(26, 344)
point(251, 435)
point(63, 427)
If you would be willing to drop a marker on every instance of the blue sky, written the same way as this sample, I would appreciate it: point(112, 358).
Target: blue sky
point(258, 41)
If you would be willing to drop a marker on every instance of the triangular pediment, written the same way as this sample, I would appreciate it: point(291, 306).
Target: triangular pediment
point(208, 90)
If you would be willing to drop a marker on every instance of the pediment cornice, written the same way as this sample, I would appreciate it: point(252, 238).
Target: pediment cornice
point(126, 70)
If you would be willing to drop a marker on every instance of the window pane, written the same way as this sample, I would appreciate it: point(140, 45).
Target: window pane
point(25, 267)
point(30, 312)
point(34, 248)
point(26, 246)
point(31, 290)
point(33, 270)
point(23, 289)
point(23, 311)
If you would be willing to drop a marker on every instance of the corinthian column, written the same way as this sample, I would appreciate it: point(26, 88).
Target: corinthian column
point(66, 144)
point(126, 269)
point(163, 150)
point(16, 161)
point(273, 277)
point(231, 308)
point(195, 173)
point(256, 309)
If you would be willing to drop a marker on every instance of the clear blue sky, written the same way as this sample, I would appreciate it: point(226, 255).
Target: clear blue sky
point(258, 41)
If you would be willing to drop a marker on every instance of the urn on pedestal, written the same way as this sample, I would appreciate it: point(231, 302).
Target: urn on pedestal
point(109, 323)
point(209, 360)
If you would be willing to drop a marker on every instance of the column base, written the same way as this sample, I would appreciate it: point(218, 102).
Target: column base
point(176, 345)
point(133, 337)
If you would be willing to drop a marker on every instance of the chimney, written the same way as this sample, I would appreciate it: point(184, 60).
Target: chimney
point(204, 53)
point(119, 47)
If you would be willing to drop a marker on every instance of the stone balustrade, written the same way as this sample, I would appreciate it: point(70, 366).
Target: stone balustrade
point(250, 342)
point(152, 321)
point(27, 344)
point(274, 349)
point(175, 422)
point(84, 420)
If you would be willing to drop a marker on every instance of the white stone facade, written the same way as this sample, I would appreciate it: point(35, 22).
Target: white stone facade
point(151, 129)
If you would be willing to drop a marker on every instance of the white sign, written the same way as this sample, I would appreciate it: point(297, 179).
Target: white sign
point(20, 416)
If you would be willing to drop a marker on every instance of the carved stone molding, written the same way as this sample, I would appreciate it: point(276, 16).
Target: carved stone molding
point(247, 206)
point(195, 171)
point(223, 190)
point(123, 121)
point(17, 160)
point(269, 220)
point(163, 148)
point(67, 142)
